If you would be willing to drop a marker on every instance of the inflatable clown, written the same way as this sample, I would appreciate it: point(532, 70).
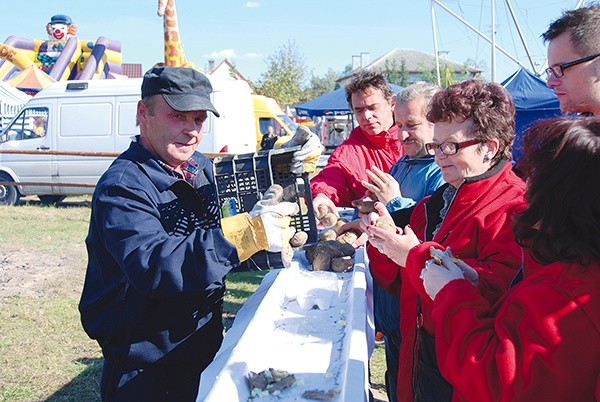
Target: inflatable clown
point(59, 29)
point(62, 56)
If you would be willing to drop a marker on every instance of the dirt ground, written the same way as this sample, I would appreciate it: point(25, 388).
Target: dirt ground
point(32, 273)
point(40, 275)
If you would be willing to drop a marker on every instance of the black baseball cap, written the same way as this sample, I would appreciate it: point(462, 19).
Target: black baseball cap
point(184, 89)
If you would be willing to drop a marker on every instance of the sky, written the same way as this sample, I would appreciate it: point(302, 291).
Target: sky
point(328, 33)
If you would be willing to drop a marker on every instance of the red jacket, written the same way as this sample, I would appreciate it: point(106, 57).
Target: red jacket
point(538, 343)
point(477, 228)
point(340, 179)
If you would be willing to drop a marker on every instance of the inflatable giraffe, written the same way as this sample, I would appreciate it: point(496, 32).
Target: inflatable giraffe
point(174, 55)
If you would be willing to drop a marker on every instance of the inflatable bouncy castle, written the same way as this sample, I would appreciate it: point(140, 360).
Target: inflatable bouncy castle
point(32, 64)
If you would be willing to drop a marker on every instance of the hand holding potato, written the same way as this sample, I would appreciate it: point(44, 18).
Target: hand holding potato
point(395, 244)
point(325, 211)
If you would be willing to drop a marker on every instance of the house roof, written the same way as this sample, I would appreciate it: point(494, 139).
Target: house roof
point(415, 62)
point(231, 68)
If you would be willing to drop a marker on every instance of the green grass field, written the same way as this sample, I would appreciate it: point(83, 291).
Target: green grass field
point(44, 353)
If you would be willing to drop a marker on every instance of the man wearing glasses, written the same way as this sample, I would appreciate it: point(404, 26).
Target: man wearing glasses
point(574, 60)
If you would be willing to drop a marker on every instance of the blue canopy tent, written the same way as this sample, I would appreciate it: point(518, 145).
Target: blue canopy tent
point(533, 101)
point(332, 103)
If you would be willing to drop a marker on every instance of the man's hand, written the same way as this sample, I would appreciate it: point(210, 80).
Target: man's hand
point(265, 227)
point(305, 159)
point(276, 218)
point(382, 185)
point(356, 226)
point(322, 206)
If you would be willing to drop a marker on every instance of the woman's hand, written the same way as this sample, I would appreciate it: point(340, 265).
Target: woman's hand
point(395, 245)
point(436, 276)
point(356, 226)
point(382, 185)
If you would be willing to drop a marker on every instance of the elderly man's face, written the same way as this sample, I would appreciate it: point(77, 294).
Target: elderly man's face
point(414, 130)
point(170, 135)
point(578, 90)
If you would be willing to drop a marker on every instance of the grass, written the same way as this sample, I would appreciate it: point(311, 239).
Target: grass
point(44, 353)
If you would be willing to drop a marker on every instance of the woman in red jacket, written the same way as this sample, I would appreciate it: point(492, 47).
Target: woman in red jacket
point(540, 341)
point(473, 136)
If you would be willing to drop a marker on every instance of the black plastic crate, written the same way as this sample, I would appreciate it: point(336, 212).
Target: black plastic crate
point(244, 178)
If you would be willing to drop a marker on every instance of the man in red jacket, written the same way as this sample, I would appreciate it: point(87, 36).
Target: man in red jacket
point(373, 143)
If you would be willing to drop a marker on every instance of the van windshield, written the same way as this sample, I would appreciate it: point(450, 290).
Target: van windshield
point(288, 122)
point(31, 123)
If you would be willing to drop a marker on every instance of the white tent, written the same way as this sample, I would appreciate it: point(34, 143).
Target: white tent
point(11, 101)
point(10, 94)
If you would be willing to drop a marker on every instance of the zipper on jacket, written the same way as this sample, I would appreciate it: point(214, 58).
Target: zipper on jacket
point(415, 362)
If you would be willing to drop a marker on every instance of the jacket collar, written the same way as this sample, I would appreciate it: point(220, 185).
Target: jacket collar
point(414, 161)
point(489, 173)
point(436, 202)
point(380, 140)
point(149, 164)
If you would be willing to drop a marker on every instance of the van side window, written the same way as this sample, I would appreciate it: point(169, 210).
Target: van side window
point(264, 124)
point(31, 123)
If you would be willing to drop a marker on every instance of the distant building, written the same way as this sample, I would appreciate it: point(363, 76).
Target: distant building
point(226, 70)
point(131, 70)
point(418, 65)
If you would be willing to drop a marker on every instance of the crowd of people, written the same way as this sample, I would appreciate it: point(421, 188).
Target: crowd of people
point(488, 288)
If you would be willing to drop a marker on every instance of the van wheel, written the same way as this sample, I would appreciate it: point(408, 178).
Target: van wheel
point(9, 195)
point(51, 199)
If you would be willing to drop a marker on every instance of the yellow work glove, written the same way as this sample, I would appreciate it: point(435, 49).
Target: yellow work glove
point(246, 234)
point(266, 227)
point(305, 159)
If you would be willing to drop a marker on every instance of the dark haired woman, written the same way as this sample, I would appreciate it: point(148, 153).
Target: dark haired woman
point(540, 342)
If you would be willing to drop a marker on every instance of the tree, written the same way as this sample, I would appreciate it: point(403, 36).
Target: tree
point(391, 71)
point(285, 76)
point(322, 85)
point(403, 74)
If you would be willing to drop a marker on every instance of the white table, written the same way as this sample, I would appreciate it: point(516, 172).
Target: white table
point(324, 349)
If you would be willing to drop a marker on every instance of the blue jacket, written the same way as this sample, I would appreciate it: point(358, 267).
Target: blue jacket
point(157, 261)
point(418, 177)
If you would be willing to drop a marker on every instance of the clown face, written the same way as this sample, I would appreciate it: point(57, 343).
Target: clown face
point(58, 31)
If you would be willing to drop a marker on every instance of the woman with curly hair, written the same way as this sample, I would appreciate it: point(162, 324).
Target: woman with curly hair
point(540, 341)
point(473, 135)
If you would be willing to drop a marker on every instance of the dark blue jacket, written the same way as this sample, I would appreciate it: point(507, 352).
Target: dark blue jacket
point(157, 260)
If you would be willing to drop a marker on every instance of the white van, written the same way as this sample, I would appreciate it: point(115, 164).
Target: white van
point(98, 116)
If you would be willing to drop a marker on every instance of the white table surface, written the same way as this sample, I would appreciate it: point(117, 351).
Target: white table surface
point(324, 349)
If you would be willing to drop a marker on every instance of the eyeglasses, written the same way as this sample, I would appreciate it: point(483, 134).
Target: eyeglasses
point(449, 148)
point(559, 70)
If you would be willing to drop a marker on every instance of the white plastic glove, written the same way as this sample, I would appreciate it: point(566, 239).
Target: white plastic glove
point(305, 159)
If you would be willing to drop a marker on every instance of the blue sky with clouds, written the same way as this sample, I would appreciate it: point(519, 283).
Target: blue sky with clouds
point(327, 32)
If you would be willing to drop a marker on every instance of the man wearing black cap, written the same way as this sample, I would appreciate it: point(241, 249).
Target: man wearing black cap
point(157, 254)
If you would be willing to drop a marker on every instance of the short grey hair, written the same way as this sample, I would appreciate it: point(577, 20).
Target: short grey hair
point(420, 89)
